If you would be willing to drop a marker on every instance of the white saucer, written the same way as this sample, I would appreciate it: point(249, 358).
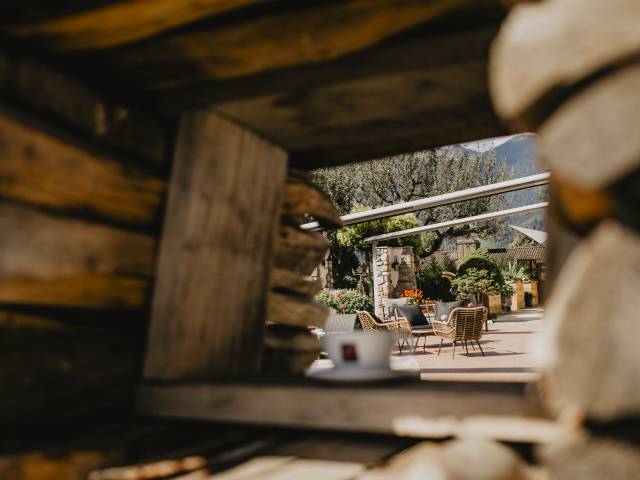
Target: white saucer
point(359, 374)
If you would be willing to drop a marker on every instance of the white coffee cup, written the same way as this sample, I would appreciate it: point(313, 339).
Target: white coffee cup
point(358, 349)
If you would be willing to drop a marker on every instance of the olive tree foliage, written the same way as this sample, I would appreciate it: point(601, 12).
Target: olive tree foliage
point(417, 175)
point(354, 235)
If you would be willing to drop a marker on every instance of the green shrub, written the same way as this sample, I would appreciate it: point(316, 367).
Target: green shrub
point(512, 273)
point(478, 274)
point(432, 283)
point(344, 301)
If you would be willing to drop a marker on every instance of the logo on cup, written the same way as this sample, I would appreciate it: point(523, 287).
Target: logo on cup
point(349, 352)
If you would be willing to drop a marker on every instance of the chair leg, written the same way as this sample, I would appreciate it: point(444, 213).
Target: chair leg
point(471, 342)
point(466, 347)
point(440, 347)
point(400, 346)
point(480, 347)
point(453, 350)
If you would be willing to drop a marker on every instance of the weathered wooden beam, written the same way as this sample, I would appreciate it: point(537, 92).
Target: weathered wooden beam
point(108, 24)
point(55, 172)
point(308, 34)
point(295, 311)
point(428, 410)
point(608, 110)
point(292, 281)
point(49, 260)
point(299, 250)
point(224, 204)
point(302, 198)
point(595, 375)
point(562, 50)
point(74, 106)
point(53, 365)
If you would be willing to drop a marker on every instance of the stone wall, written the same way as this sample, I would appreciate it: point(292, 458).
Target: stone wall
point(389, 282)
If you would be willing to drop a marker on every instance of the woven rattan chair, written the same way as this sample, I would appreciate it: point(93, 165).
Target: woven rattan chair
point(401, 329)
point(463, 325)
point(421, 331)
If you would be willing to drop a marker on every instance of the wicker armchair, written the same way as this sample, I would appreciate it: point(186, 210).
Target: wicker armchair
point(463, 324)
point(401, 329)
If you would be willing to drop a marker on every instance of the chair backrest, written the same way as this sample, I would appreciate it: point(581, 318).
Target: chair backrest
point(367, 321)
point(389, 303)
point(340, 323)
point(468, 322)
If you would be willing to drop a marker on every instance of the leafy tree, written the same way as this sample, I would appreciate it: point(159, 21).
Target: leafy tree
point(403, 178)
point(354, 235)
point(479, 274)
point(344, 301)
point(431, 281)
point(513, 272)
point(416, 175)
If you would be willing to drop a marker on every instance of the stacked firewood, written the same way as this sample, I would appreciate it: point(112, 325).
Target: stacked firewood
point(289, 346)
point(568, 69)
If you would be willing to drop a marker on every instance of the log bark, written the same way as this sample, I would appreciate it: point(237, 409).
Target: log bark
point(39, 88)
point(471, 459)
point(590, 350)
point(115, 23)
point(299, 250)
point(591, 141)
point(48, 260)
point(53, 367)
point(276, 40)
point(303, 198)
point(592, 459)
point(295, 311)
point(292, 282)
point(45, 170)
point(212, 280)
point(561, 48)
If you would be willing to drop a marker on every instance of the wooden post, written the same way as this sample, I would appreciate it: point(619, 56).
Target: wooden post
point(223, 210)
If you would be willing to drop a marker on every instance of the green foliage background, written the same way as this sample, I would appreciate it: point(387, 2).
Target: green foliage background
point(344, 300)
point(479, 274)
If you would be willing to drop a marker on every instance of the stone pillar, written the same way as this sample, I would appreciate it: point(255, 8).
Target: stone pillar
point(382, 287)
point(466, 245)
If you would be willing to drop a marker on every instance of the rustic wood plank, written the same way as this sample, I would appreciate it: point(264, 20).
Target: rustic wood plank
point(291, 281)
point(116, 23)
point(34, 86)
point(295, 311)
point(223, 209)
point(469, 459)
point(313, 33)
point(42, 169)
point(561, 49)
point(299, 250)
point(302, 198)
point(442, 409)
point(47, 260)
point(588, 374)
point(365, 118)
point(592, 458)
point(53, 369)
point(591, 141)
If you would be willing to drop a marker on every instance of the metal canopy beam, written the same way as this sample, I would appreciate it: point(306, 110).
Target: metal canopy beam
point(460, 221)
point(439, 200)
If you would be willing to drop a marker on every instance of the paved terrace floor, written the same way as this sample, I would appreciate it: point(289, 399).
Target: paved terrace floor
point(508, 348)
